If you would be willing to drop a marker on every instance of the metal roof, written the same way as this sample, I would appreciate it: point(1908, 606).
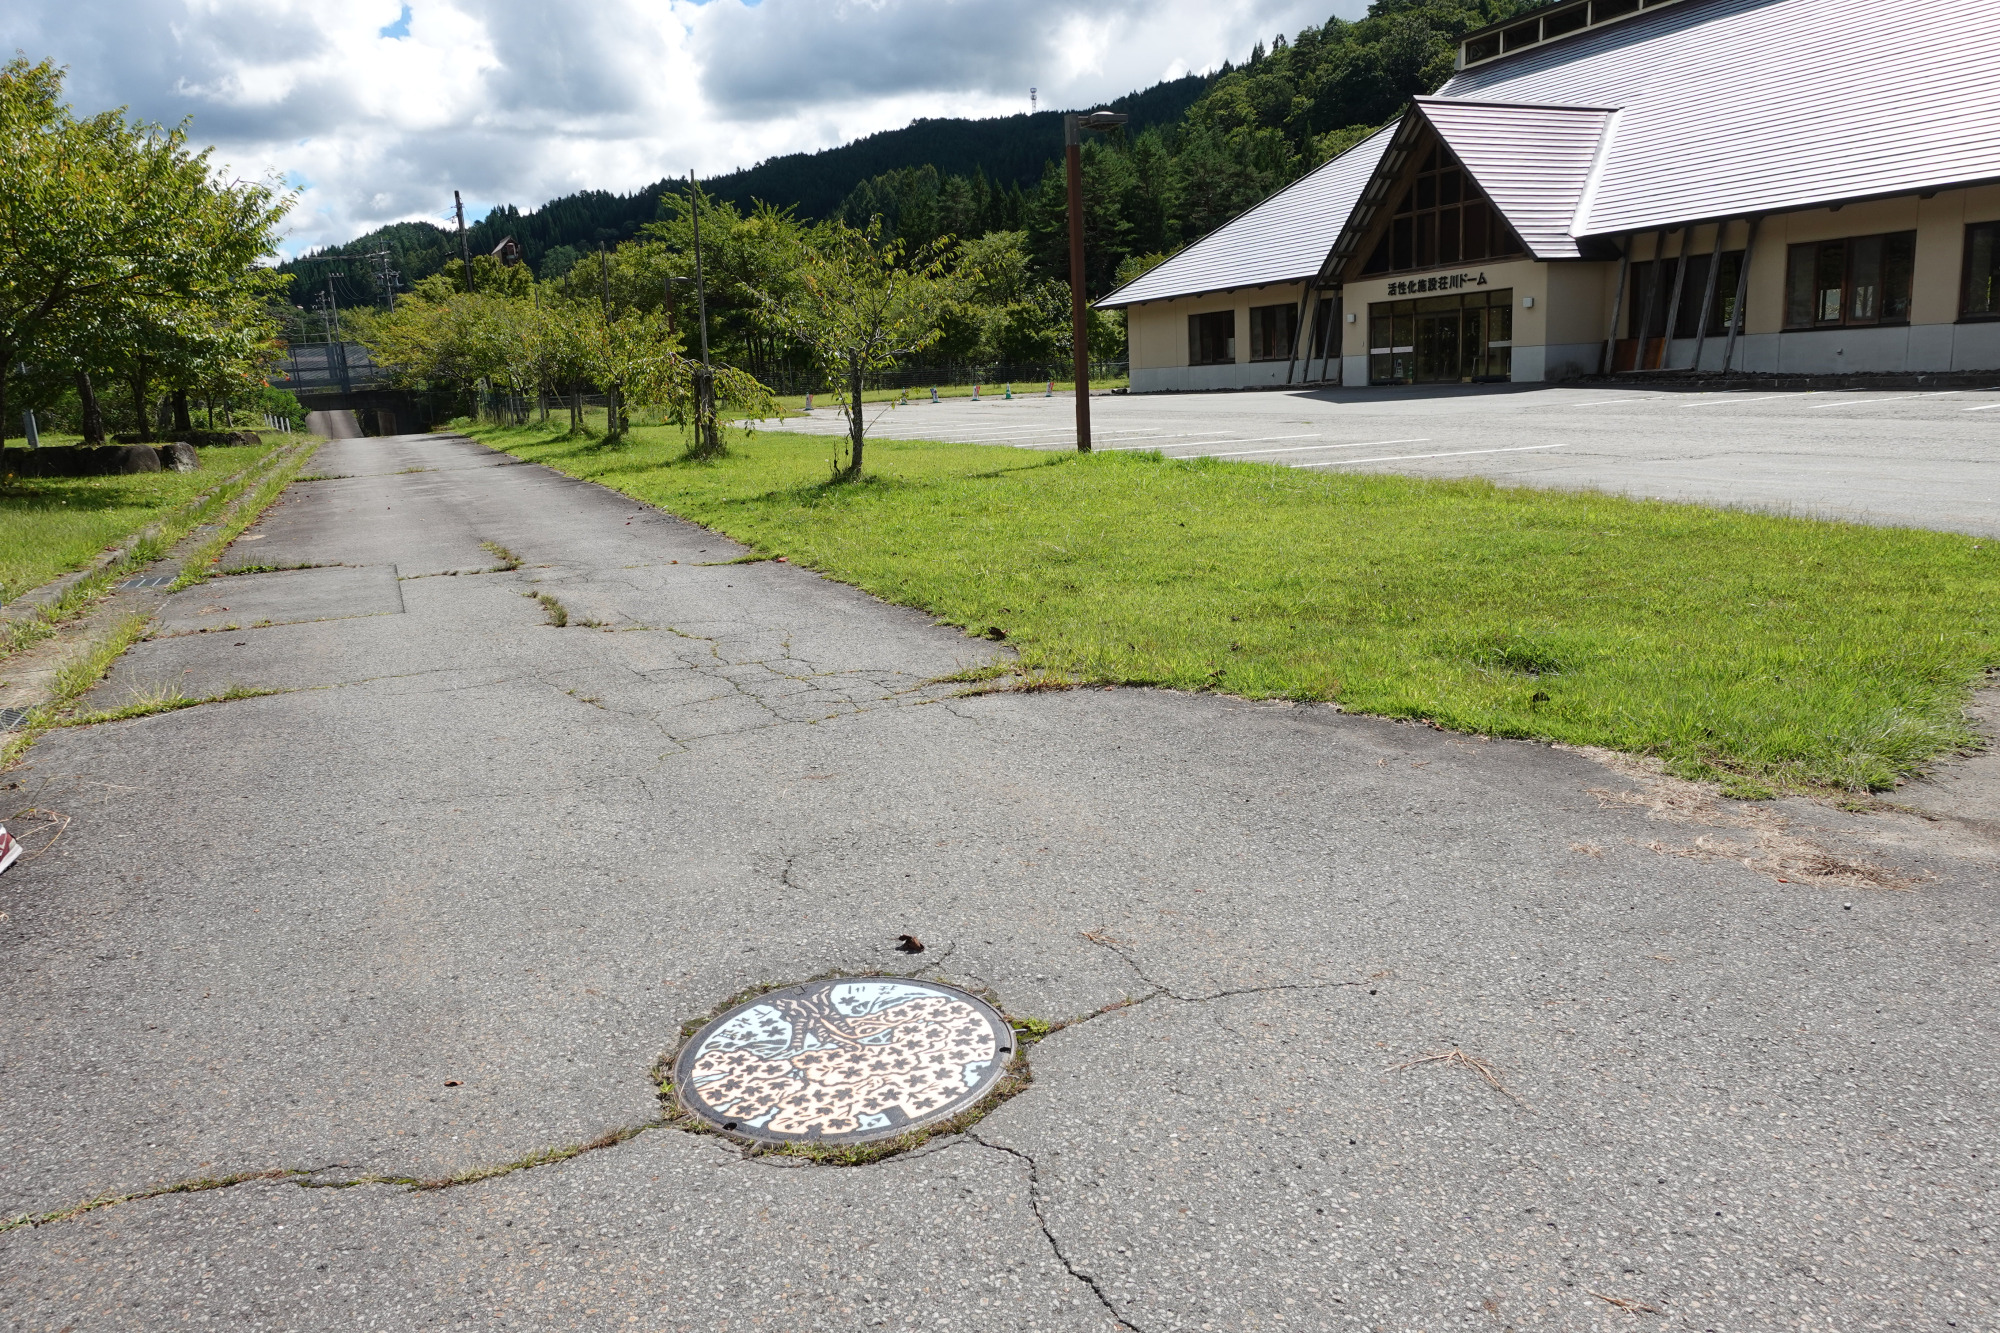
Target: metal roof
point(1533, 162)
point(1682, 113)
point(1730, 107)
point(1283, 239)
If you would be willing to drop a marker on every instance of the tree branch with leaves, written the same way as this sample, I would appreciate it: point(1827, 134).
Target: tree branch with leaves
point(859, 304)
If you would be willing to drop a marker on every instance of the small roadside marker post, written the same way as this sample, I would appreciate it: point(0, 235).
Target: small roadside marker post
point(975, 393)
point(1010, 393)
point(934, 394)
point(1051, 390)
point(809, 402)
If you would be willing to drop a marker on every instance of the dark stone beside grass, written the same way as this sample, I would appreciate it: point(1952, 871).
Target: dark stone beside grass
point(109, 460)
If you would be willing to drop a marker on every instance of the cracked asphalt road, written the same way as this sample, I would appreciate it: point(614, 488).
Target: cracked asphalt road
point(439, 904)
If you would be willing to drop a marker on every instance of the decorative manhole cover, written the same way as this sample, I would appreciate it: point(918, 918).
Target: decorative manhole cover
point(150, 581)
point(843, 1061)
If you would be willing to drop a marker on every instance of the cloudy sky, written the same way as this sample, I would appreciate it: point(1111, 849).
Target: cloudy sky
point(378, 109)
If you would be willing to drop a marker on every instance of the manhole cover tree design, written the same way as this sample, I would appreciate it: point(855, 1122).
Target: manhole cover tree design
point(847, 1060)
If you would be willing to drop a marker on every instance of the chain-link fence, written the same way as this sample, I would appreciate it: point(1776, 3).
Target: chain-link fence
point(337, 367)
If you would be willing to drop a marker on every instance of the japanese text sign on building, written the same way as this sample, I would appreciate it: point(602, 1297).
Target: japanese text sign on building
point(1442, 282)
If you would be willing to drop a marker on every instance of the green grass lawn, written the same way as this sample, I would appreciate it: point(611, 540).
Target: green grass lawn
point(51, 525)
point(1769, 652)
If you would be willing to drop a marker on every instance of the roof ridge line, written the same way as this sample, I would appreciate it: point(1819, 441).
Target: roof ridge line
point(1588, 199)
point(1525, 106)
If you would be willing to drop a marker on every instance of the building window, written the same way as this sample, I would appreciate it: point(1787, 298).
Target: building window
point(1441, 218)
point(1857, 281)
point(1981, 299)
point(1686, 319)
point(1212, 338)
point(1442, 339)
point(1273, 328)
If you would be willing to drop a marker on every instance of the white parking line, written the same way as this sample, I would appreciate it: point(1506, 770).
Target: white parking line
point(1303, 448)
point(1896, 398)
point(1409, 458)
point(1207, 444)
point(1712, 400)
point(1985, 407)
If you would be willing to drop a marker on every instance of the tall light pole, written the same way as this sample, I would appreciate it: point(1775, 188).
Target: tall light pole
point(1073, 128)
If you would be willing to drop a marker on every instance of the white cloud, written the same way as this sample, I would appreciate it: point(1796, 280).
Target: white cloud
point(518, 101)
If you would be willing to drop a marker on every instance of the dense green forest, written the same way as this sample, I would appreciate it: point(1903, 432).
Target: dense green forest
point(1007, 151)
point(1199, 151)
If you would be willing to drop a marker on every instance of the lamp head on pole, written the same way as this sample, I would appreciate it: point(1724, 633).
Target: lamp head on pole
point(1074, 126)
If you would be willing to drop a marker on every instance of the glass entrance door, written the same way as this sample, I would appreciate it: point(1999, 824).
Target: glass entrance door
point(1442, 339)
point(1437, 343)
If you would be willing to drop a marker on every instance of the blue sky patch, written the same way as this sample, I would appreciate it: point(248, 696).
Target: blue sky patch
point(400, 28)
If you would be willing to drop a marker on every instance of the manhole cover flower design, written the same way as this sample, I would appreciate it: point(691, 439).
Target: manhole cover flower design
point(843, 1061)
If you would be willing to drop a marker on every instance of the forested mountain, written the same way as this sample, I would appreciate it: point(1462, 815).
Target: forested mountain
point(1005, 150)
point(1199, 151)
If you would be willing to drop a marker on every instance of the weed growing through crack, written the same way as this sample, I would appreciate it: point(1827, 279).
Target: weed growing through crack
point(162, 701)
point(108, 1200)
point(508, 560)
point(558, 614)
point(200, 564)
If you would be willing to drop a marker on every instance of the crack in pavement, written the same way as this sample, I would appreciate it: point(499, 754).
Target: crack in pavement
point(1055, 1246)
point(1162, 991)
point(308, 1177)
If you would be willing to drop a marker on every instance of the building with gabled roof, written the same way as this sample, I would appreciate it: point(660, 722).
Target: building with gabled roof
point(1770, 186)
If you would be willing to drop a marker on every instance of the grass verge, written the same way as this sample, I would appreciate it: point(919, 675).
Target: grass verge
point(51, 525)
point(167, 532)
point(202, 561)
point(1761, 651)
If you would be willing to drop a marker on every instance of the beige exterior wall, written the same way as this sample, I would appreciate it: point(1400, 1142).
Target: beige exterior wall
point(1527, 277)
point(1156, 337)
point(1561, 335)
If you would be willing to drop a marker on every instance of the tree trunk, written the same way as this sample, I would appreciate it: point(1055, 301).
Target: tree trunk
point(93, 416)
point(854, 417)
point(182, 421)
point(140, 415)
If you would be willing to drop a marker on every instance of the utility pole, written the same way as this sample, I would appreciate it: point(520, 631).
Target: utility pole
point(1073, 128)
point(610, 390)
point(464, 247)
point(700, 288)
point(707, 437)
point(388, 279)
point(336, 351)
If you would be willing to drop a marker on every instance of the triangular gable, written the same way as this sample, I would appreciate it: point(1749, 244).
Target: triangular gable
point(1532, 162)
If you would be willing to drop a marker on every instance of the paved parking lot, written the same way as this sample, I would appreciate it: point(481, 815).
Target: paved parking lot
point(1924, 459)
